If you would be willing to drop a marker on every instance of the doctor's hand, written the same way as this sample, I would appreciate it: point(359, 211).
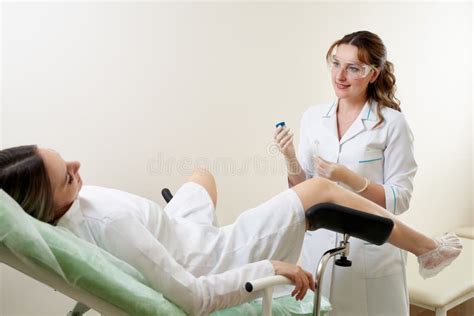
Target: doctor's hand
point(303, 280)
point(341, 174)
point(284, 139)
point(329, 170)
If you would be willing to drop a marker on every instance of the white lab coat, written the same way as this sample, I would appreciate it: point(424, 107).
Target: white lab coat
point(376, 283)
point(193, 263)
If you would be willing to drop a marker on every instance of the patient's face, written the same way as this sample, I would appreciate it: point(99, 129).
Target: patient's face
point(65, 179)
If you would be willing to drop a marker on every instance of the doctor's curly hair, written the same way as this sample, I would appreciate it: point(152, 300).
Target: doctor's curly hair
point(24, 177)
point(372, 51)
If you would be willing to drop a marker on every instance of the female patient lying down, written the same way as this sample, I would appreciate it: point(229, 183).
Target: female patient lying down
point(179, 249)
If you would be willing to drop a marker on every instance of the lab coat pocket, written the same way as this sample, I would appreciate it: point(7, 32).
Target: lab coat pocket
point(370, 164)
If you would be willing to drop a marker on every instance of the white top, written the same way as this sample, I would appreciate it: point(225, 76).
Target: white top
point(139, 232)
point(384, 155)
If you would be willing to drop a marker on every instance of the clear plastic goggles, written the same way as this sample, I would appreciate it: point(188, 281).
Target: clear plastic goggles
point(352, 70)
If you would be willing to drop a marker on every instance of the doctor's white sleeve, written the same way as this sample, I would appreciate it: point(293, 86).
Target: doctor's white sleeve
point(130, 241)
point(399, 166)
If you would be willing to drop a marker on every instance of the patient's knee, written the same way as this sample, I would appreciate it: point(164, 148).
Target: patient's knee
point(315, 191)
point(201, 172)
point(206, 179)
point(321, 184)
point(326, 189)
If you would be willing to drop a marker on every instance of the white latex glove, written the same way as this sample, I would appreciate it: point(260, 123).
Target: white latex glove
point(329, 170)
point(341, 174)
point(284, 139)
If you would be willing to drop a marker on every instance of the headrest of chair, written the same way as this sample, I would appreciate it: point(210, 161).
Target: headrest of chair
point(372, 228)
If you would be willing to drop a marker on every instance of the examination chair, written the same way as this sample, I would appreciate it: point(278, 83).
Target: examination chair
point(110, 286)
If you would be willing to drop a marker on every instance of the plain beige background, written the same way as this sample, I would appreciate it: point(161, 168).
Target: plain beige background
point(143, 93)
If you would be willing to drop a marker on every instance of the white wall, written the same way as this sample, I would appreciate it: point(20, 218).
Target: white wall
point(126, 88)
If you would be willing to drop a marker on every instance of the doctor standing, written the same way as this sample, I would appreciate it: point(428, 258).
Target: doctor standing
point(363, 142)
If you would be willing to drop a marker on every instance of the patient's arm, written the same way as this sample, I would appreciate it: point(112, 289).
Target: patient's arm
point(302, 279)
point(130, 241)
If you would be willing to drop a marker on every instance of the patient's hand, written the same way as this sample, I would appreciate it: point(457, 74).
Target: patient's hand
point(301, 279)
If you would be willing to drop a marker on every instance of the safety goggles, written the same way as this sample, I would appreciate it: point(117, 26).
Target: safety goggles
point(352, 70)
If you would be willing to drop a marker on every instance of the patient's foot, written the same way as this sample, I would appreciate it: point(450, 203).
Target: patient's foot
point(432, 262)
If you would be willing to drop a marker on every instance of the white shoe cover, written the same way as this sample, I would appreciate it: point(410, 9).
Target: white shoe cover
point(432, 262)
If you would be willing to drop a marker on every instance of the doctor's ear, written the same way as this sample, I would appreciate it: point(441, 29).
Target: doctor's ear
point(375, 75)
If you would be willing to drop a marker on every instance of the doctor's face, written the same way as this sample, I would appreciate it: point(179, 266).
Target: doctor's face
point(65, 180)
point(350, 77)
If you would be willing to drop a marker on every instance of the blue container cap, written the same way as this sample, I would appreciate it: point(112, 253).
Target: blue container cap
point(280, 124)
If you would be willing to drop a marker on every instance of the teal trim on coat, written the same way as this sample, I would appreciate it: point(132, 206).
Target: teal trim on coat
point(370, 160)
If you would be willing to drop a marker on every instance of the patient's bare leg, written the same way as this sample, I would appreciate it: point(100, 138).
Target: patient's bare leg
point(206, 179)
point(445, 249)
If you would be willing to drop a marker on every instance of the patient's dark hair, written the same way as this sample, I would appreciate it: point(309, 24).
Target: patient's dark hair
point(24, 177)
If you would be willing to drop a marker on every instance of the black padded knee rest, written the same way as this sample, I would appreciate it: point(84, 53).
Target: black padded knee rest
point(372, 228)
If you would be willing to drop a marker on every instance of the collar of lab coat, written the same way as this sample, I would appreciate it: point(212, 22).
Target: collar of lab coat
point(366, 120)
point(73, 215)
